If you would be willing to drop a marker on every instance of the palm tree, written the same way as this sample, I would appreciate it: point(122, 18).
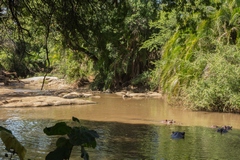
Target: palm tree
point(227, 22)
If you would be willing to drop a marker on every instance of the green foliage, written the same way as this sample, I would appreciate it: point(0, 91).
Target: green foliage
point(5, 129)
point(77, 136)
point(218, 89)
point(189, 13)
point(17, 45)
point(75, 119)
point(227, 22)
point(61, 152)
point(78, 39)
point(120, 43)
point(82, 136)
point(141, 79)
point(206, 37)
point(164, 27)
point(121, 60)
point(60, 128)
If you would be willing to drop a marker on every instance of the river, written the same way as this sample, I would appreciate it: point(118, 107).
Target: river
point(129, 129)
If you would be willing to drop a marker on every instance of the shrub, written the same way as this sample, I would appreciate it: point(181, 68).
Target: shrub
point(218, 88)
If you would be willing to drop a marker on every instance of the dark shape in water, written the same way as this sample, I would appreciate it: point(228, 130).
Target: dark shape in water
point(228, 127)
point(168, 121)
point(224, 129)
point(178, 135)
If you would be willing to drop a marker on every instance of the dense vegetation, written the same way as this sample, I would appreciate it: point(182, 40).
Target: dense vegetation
point(100, 38)
point(200, 60)
point(187, 49)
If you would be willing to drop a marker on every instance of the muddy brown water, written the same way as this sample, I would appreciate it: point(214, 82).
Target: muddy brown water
point(129, 129)
point(113, 108)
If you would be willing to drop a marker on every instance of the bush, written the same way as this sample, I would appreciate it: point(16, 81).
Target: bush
point(218, 88)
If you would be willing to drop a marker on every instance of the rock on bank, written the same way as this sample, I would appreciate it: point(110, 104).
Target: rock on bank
point(41, 101)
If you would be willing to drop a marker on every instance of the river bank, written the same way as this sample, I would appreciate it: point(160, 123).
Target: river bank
point(56, 92)
point(28, 93)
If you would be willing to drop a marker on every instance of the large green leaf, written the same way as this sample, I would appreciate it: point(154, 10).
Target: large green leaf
point(84, 154)
point(60, 128)
point(12, 143)
point(75, 119)
point(63, 151)
point(62, 141)
point(4, 129)
point(81, 136)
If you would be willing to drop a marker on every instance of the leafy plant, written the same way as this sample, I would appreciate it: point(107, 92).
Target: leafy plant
point(13, 146)
point(76, 136)
point(218, 88)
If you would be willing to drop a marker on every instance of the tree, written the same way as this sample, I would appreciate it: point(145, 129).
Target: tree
point(108, 32)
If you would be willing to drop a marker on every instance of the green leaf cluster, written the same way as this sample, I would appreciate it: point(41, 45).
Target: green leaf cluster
point(76, 136)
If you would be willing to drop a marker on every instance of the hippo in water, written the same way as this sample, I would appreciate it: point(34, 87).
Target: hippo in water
point(168, 121)
point(178, 135)
point(228, 127)
point(224, 129)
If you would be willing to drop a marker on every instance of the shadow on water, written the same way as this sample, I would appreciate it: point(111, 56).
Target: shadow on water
point(132, 141)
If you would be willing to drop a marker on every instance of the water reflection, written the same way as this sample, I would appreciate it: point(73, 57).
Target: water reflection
point(128, 129)
point(112, 108)
point(132, 141)
point(126, 141)
point(30, 134)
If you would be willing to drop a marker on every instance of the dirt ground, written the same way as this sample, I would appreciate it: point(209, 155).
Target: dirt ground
point(56, 92)
point(28, 93)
